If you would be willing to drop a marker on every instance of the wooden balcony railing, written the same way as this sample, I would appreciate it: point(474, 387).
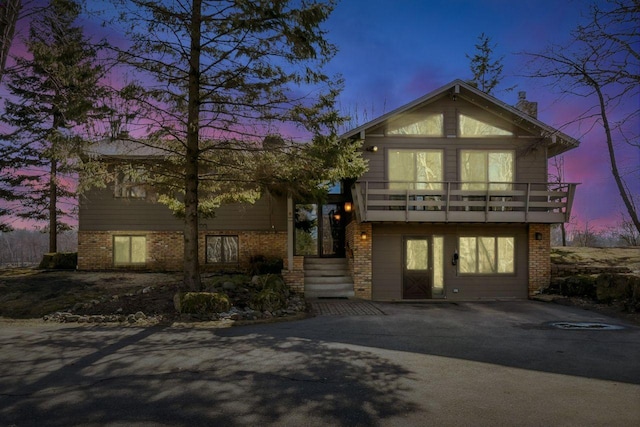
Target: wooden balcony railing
point(463, 202)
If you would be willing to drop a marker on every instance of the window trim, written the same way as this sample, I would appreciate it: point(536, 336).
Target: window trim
point(224, 261)
point(388, 131)
point(496, 273)
point(129, 263)
point(508, 134)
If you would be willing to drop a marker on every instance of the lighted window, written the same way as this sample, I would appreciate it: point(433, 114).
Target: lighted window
point(470, 127)
point(129, 250)
point(222, 249)
point(478, 167)
point(486, 255)
point(418, 170)
point(417, 124)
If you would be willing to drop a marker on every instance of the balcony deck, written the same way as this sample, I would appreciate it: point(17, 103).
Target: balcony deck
point(443, 202)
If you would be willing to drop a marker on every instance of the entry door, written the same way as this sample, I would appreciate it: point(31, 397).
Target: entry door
point(417, 271)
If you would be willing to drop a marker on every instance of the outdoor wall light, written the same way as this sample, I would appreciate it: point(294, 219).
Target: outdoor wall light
point(336, 216)
point(538, 236)
point(372, 148)
point(363, 235)
point(348, 206)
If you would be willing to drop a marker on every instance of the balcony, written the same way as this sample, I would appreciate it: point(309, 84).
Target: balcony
point(457, 202)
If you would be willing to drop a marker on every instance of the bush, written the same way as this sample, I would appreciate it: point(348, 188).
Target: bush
point(268, 300)
point(201, 303)
point(263, 265)
point(611, 287)
point(579, 286)
point(59, 261)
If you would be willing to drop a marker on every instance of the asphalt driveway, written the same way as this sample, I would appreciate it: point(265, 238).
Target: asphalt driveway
point(485, 363)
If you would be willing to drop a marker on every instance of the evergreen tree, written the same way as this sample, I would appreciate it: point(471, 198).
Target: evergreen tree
point(221, 78)
point(487, 73)
point(54, 91)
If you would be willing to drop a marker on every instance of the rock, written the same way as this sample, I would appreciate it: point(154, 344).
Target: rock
point(70, 317)
point(119, 310)
point(255, 280)
point(229, 286)
point(139, 316)
point(147, 290)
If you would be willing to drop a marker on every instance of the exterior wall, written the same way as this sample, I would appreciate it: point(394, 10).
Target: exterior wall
point(387, 261)
point(295, 277)
point(359, 253)
point(99, 210)
point(165, 249)
point(539, 257)
point(531, 159)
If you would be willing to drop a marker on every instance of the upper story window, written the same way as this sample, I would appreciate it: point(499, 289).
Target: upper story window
point(429, 124)
point(130, 183)
point(478, 167)
point(415, 169)
point(474, 128)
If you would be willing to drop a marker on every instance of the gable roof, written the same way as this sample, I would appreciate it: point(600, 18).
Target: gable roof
point(557, 142)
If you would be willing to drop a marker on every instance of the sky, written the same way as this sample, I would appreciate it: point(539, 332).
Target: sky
point(391, 52)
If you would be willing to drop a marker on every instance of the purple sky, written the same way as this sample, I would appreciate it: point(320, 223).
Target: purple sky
point(394, 51)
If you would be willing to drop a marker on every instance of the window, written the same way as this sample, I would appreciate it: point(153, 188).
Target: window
point(130, 183)
point(417, 124)
point(478, 167)
point(486, 255)
point(470, 127)
point(129, 250)
point(417, 170)
point(222, 249)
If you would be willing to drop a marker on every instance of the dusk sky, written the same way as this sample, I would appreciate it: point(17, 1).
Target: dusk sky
point(394, 51)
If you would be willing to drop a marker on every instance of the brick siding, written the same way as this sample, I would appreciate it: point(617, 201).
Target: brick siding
point(359, 257)
point(539, 257)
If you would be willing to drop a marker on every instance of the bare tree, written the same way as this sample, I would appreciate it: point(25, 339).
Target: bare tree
point(601, 65)
point(556, 176)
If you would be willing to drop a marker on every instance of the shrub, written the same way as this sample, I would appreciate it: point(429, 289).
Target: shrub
point(59, 260)
point(202, 303)
point(263, 265)
point(579, 286)
point(268, 300)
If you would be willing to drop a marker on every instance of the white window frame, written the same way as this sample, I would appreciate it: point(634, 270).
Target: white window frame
point(130, 237)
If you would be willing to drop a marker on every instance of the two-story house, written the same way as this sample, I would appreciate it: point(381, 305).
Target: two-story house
point(455, 204)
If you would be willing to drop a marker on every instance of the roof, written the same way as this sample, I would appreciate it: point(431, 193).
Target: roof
point(557, 141)
point(123, 149)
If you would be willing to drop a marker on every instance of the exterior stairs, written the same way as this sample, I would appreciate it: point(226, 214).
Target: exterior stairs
point(327, 278)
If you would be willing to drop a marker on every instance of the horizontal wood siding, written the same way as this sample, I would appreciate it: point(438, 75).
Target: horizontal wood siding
point(531, 157)
point(387, 261)
point(100, 211)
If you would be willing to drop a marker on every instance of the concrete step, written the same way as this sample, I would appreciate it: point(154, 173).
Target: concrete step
point(327, 280)
point(311, 262)
point(329, 291)
point(333, 272)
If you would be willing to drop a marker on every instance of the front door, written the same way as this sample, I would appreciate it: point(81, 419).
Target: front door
point(319, 230)
point(417, 270)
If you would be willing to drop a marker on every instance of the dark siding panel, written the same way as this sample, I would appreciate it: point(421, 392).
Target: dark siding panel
point(100, 211)
point(386, 259)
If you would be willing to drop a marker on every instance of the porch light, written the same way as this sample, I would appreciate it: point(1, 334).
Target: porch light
point(363, 235)
point(372, 148)
point(538, 236)
point(336, 216)
point(348, 206)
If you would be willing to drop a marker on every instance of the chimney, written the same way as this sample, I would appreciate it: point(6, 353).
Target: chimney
point(527, 107)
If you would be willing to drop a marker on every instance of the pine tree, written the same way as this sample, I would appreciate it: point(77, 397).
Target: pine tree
point(487, 73)
point(221, 78)
point(54, 90)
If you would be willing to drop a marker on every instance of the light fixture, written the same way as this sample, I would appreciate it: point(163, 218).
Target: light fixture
point(538, 236)
point(372, 148)
point(336, 216)
point(348, 206)
point(363, 235)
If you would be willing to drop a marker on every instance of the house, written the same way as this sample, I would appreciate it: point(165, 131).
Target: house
point(455, 204)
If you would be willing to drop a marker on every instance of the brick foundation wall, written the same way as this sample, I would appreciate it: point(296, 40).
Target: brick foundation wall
point(359, 257)
point(539, 257)
point(165, 249)
point(295, 278)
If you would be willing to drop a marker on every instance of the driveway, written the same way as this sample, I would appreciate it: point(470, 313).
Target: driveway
point(483, 363)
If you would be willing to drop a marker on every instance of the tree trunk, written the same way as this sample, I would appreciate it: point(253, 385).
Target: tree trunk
point(53, 203)
point(191, 258)
point(612, 158)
